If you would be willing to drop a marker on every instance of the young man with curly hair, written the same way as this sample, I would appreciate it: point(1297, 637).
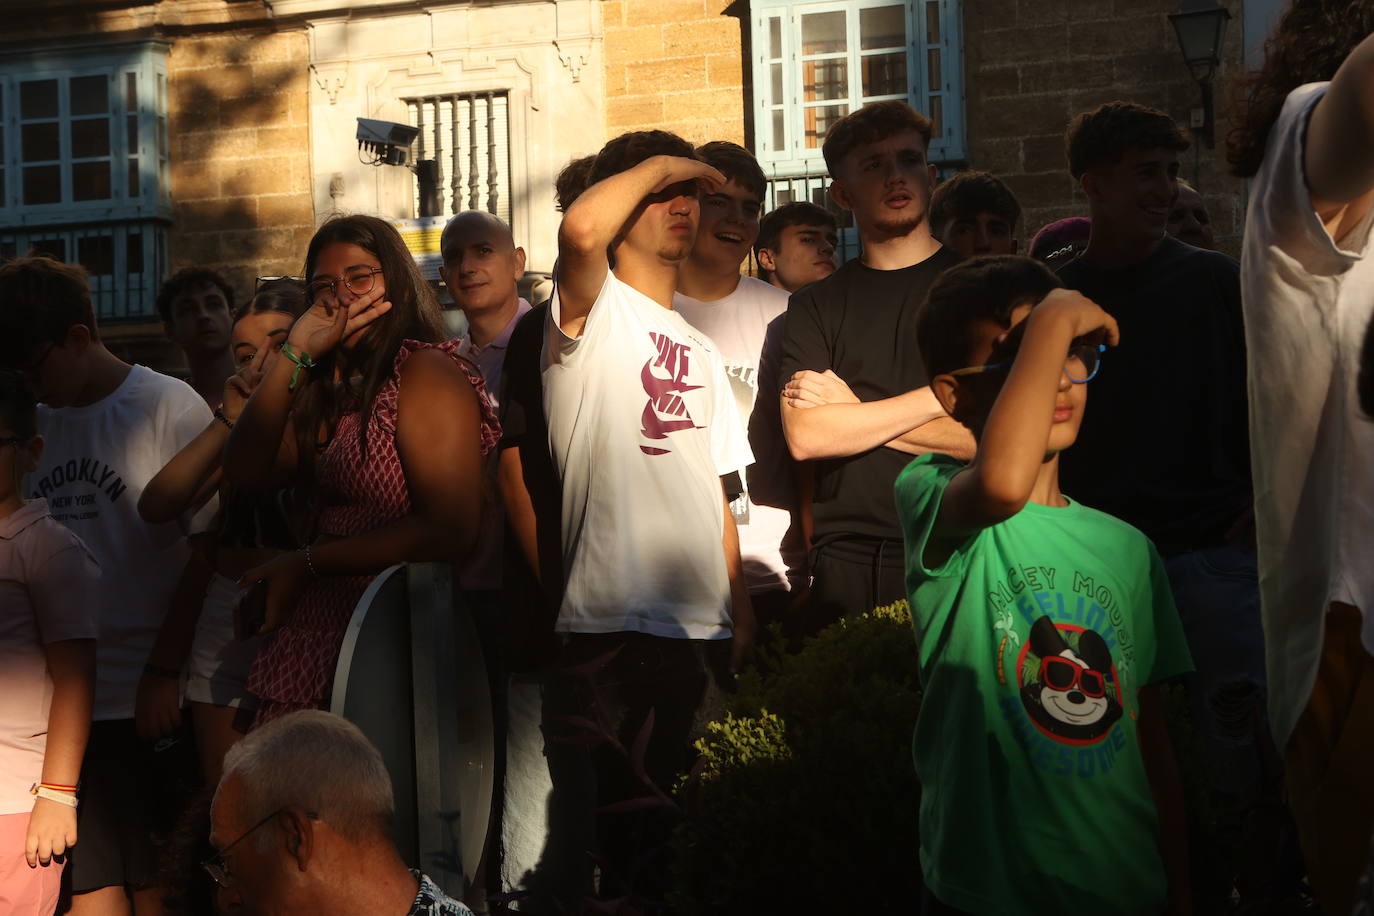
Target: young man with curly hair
point(1166, 447)
point(197, 307)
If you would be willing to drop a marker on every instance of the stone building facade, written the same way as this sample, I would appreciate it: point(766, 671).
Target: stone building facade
point(241, 133)
point(1030, 67)
point(248, 121)
point(676, 65)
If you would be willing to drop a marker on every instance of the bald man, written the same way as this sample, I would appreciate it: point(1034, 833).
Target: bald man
point(1188, 219)
point(482, 265)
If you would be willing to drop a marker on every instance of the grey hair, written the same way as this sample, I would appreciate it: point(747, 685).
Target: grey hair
point(317, 761)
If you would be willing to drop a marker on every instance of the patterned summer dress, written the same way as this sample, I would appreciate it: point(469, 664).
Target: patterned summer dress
point(295, 667)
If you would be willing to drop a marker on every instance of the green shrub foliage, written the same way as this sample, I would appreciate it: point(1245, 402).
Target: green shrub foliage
point(805, 798)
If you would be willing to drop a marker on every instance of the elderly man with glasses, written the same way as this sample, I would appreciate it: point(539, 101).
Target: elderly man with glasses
point(302, 821)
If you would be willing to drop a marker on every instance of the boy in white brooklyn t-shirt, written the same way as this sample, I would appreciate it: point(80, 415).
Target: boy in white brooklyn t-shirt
point(642, 427)
point(108, 428)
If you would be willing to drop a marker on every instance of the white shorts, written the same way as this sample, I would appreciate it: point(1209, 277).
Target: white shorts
point(217, 671)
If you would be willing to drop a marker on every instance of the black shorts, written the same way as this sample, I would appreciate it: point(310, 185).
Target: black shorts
point(131, 795)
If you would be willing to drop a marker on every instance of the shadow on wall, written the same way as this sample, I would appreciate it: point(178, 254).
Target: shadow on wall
point(240, 153)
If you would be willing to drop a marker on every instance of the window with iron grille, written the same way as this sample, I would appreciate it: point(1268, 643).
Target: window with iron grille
point(468, 135)
point(84, 167)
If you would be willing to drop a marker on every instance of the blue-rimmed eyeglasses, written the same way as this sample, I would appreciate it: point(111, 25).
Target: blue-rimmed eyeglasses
point(1080, 366)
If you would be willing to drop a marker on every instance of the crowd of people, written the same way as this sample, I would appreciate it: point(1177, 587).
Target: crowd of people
point(669, 460)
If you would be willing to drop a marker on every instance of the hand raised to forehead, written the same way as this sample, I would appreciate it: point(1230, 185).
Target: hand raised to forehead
point(680, 168)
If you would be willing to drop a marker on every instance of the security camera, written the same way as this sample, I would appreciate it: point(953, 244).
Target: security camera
point(386, 141)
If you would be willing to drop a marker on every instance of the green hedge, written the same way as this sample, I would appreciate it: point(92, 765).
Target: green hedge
point(805, 797)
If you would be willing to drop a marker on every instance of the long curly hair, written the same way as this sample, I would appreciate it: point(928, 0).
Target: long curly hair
point(363, 370)
point(1307, 46)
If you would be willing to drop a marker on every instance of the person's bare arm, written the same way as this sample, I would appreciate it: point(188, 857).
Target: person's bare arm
point(822, 418)
point(1339, 164)
point(187, 481)
point(52, 826)
point(520, 514)
point(157, 703)
point(741, 607)
point(943, 435)
point(596, 218)
point(998, 483)
point(1161, 769)
point(836, 430)
point(193, 475)
point(439, 446)
point(261, 452)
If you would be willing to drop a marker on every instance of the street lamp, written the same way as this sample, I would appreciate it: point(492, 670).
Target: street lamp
point(1200, 25)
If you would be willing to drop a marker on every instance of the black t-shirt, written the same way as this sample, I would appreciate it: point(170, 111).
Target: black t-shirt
point(522, 387)
point(1165, 439)
point(861, 323)
point(529, 640)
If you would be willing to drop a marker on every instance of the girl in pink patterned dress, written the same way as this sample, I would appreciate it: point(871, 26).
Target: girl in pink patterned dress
point(384, 422)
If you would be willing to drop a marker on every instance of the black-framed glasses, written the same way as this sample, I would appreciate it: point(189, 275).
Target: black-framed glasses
point(30, 372)
point(215, 867)
point(1080, 366)
point(359, 282)
point(258, 283)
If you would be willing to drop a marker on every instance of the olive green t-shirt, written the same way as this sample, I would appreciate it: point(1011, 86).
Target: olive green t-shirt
point(1033, 639)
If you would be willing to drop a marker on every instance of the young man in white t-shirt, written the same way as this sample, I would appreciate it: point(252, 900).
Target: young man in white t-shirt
point(642, 427)
point(109, 427)
point(1307, 284)
point(735, 311)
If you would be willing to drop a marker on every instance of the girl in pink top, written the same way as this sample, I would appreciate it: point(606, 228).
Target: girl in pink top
point(48, 598)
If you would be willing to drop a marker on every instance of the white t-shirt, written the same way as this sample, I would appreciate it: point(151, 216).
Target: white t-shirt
point(738, 324)
point(1308, 300)
point(96, 461)
point(49, 592)
point(481, 571)
point(642, 426)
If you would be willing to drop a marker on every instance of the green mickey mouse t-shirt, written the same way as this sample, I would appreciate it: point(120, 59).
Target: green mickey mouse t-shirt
point(1033, 639)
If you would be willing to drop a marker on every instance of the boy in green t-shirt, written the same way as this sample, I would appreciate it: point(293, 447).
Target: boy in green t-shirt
point(1049, 785)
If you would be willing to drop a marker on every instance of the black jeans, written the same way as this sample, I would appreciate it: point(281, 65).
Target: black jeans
point(851, 577)
point(598, 710)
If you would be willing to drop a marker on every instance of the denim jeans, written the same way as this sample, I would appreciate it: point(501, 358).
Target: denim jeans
point(1217, 593)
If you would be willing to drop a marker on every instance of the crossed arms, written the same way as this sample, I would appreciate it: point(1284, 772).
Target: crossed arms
point(822, 418)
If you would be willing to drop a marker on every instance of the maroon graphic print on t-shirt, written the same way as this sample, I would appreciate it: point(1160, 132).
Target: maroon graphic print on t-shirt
point(665, 412)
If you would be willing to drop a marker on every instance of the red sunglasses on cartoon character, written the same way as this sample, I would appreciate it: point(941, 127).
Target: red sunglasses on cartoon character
point(1061, 674)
